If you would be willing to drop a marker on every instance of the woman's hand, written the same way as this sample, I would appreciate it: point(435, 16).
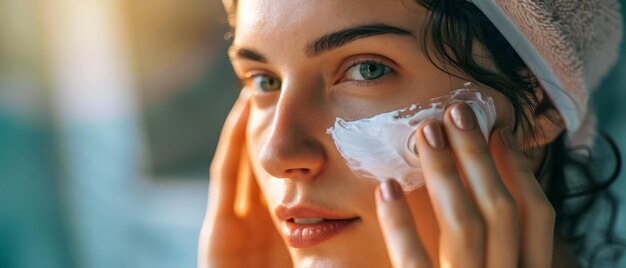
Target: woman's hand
point(237, 229)
point(488, 204)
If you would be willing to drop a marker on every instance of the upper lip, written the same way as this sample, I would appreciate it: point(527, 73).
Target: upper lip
point(286, 213)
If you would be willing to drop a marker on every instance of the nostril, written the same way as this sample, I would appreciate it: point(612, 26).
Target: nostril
point(302, 171)
point(286, 155)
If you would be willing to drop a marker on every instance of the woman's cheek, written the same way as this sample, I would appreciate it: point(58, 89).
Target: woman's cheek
point(504, 109)
point(258, 129)
point(257, 133)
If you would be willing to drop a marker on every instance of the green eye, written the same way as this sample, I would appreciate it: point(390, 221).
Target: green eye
point(367, 71)
point(266, 83)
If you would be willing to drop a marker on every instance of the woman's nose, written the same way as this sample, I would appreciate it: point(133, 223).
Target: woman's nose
point(293, 149)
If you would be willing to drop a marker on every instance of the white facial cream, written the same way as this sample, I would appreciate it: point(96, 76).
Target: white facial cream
point(382, 147)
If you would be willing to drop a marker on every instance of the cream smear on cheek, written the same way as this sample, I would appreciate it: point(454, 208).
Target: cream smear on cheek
point(383, 147)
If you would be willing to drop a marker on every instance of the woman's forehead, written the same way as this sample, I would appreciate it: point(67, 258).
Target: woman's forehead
point(299, 21)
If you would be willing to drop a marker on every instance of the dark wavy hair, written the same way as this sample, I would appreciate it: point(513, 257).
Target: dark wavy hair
point(450, 35)
point(571, 181)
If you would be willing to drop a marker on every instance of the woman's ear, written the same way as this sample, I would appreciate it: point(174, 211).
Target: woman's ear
point(546, 120)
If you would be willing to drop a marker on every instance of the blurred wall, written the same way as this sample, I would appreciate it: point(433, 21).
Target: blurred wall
point(81, 82)
point(33, 222)
point(610, 104)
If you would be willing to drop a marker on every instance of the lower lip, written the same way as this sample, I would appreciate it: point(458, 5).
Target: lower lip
point(308, 235)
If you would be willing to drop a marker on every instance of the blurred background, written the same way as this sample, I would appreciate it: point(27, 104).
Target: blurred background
point(109, 115)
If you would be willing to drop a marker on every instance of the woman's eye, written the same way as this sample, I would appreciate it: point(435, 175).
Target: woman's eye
point(367, 71)
point(265, 83)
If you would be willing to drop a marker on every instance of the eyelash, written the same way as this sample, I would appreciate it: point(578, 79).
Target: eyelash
point(248, 80)
point(356, 62)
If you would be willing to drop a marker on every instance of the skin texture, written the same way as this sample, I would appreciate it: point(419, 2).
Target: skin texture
point(481, 207)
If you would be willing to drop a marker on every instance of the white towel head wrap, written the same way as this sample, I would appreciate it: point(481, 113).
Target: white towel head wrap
point(569, 45)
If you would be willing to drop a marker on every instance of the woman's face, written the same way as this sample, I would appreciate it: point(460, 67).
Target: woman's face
point(307, 63)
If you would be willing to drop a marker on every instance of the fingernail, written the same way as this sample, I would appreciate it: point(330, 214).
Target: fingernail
point(507, 138)
point(434, 135)
point(390, 190)
point(463, 116)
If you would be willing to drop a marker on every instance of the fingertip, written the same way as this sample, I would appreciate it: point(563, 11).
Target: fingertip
point(390, 200)
point(398, 227)
point(497, 143)
point(510, 160)
point(392, 206)
point(507, 138)
point(245, 94)
point(390, 190)
point(419, 132)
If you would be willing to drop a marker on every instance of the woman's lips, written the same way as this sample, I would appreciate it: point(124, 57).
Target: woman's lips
point(308, 226)
point(308, 235)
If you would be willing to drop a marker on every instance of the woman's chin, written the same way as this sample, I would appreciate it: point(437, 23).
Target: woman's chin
point(340, 260)
point(353, 247)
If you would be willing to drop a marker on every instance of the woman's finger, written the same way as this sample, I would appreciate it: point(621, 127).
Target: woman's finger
point(403, 244)
point(225, 165)
point(537, 214)
point(249, 199)
point(497, 206)
point(462, 228)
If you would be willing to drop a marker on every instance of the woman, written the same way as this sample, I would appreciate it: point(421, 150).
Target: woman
point(282, 195)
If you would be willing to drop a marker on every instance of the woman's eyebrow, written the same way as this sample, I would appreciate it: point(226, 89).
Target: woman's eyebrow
point(340, 38)
point(327, 42)
point(245, 53)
